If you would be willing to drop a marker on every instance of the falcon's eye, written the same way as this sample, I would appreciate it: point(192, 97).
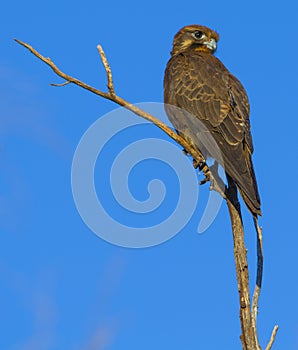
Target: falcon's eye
point(198, 34)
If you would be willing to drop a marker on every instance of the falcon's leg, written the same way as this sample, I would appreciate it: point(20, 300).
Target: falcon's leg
point(210, 173)
point(196, 163)
point(216, 183)
point(214, 169)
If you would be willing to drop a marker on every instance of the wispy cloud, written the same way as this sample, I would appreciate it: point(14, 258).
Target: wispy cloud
point(38, 298)
point(24, 119)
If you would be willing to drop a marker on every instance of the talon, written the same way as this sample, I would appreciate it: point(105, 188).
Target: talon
point(196, 164)
point(206, 179)
point(203, 167)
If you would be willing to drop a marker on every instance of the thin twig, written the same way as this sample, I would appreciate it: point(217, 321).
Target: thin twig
point(62, 84)
point(272, 338)
point(120, 101)
point(195, 153)
point(107, 69)
point(258, 286)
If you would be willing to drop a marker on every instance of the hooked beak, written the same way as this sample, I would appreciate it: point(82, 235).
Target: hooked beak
point(211, 44)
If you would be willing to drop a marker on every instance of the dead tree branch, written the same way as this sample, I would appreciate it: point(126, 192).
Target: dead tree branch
point(248, 336)
point(273, 335)
point(248, 315)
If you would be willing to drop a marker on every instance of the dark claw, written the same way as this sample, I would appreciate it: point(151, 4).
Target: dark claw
point(207, 178)
point(196, 164)
point(204, 181)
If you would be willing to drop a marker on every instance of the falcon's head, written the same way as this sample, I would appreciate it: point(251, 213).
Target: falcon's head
point(195, 37)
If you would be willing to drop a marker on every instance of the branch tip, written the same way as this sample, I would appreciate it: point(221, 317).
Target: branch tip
point(108, 70)
point(272, 338)
point(62, 84)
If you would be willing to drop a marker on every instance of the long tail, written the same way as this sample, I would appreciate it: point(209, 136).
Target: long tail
point(248, 188)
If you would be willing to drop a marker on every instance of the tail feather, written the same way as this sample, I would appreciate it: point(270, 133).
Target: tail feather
point(248, 188)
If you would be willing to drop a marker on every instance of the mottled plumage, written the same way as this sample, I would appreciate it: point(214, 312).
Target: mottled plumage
point(207, 93)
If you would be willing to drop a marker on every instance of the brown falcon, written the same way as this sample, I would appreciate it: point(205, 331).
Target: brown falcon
point(207, 93)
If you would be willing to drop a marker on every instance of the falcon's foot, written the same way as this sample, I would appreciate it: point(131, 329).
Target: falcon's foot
point(210, 173)
point(208, 177)
point(207, 173)
point(198, 164)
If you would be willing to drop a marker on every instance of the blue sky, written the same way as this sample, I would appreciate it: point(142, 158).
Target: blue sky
point(62, 287)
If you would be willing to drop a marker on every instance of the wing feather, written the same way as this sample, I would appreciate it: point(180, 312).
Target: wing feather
point(200, 85)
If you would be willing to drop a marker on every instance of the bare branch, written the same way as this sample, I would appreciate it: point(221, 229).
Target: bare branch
point(196, 154)
point(257, 291)
point(273, 335)
point(248, 337)
point(62, 84)
point(66, 77)
point(108, 70)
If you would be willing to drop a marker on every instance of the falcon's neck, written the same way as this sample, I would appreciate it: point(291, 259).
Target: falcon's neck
point(191, 48)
